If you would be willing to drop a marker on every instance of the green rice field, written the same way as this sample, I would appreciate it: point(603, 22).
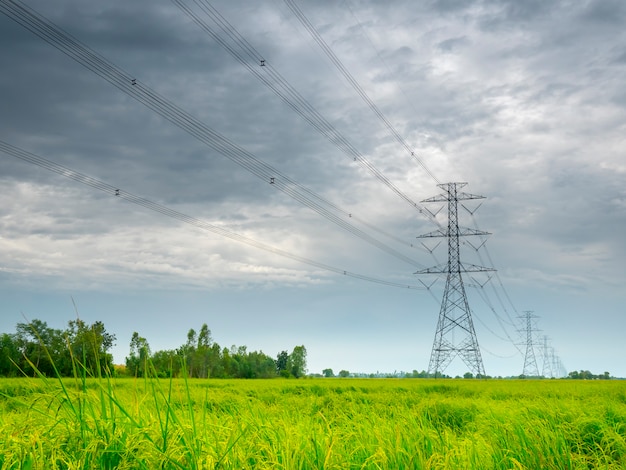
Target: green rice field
point(312, 424)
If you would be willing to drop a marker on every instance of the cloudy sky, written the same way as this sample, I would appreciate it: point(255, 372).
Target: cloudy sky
point(524, 101)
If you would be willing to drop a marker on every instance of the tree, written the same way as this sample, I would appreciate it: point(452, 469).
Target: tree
point(189, 351)
point(231, 366)
point(344, 373)
point(202, 352)
point(297, 361)
point(259, 365)
point(328, 373)
point(282, 361)
point(417, 375)
point(89, 345)
point(166, 363)
point(9, 355)
point(137, 362)
point(586, 375)
point(216, 366)
point(41, 348)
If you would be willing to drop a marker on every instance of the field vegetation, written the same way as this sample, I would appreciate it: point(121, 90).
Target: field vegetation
point(323, 423)
point(65, 406)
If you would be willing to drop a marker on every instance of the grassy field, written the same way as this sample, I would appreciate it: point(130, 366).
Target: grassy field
point(312, 423)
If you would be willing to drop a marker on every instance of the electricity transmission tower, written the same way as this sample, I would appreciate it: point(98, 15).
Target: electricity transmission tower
point(559, 367)
point(548, 353)
point(530, 361)
point(455, 315)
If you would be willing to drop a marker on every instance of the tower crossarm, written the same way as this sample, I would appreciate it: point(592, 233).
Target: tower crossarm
point(439, 198)
point(457, 196)
point(466, 196)
point(439, 269)
point(472, 268)
point(445, 269)
point(463, 232)
point(440, 233)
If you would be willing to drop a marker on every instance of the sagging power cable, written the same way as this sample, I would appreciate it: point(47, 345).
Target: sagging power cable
point(133, 87)
point(239, 48)
point(299, 14)
point(164, 210)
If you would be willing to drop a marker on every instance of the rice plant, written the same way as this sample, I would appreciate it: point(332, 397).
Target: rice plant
point(103, 422)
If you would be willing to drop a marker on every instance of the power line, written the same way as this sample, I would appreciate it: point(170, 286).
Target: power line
point(164, 210)
point(262, 69)
point(500, 283)
point(133, 87)
point(355, 84)
point(482, 294)
point(379, 55)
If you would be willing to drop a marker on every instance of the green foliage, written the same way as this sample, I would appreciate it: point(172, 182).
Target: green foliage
point(282, 361)
point(586, 375)
point(137, 361)
point(39, 343)
point(89, 344)
point(296, 363)
point(201, 357)
point(35, 349)
point(9, 356)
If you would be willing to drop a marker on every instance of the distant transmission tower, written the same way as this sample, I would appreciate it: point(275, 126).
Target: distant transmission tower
point(455, 315)
point(560, 368)
point(546, 369)
point(530, 361)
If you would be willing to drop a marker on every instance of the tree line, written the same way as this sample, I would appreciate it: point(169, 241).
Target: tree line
point(35, 348)
point(586, 375)
point(201, 357)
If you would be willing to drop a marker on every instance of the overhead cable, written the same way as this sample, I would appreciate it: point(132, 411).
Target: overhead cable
point(133, 87)
point(238, 47)
point(355, 84)
point(164, 210)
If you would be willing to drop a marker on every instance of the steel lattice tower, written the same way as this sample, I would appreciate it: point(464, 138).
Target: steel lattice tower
point(530, 361)
point(455, 315)
point(548, 354)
